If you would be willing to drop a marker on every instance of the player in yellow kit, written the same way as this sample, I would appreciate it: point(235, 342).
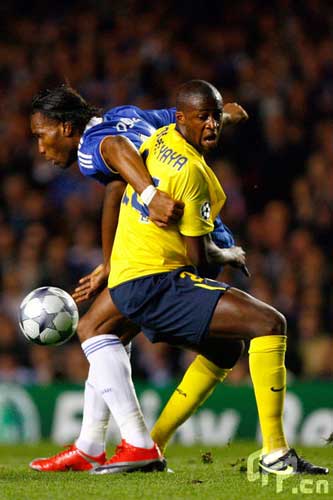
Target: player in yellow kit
point(154, 281)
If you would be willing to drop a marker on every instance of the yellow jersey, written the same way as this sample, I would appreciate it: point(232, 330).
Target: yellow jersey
point(140, 247)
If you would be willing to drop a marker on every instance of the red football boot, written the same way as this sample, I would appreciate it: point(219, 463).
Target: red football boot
point(128, 458)
point(71, 459)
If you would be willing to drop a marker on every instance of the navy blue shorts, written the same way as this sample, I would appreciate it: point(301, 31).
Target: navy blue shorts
point(174, 307)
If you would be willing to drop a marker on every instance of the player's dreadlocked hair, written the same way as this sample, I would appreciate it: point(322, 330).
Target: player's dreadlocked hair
point(195, 88)
point(64, 104)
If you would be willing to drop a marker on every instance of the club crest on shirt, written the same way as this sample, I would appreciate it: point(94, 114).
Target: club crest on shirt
point(205, 210)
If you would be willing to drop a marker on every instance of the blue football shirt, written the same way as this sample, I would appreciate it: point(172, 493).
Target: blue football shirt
point(130, 121)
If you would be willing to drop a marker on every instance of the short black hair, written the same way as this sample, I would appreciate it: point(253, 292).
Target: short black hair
point(195, 88)
point(64, 104)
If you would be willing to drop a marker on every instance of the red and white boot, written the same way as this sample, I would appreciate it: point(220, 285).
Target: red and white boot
point(128, 458)
point(71, 459)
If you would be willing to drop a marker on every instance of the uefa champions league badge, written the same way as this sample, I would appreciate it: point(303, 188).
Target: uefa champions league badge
point(205, 210)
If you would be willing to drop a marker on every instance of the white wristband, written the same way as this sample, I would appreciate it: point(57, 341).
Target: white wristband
point(148, 194)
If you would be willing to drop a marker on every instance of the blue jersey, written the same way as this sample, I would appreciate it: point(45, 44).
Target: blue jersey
point(130, 121)
point(222, 236)
point(137, 125)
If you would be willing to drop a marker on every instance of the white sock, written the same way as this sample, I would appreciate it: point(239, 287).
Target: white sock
point(95, 418)
point(110, 372)
point(96, 415)
point(128, 349)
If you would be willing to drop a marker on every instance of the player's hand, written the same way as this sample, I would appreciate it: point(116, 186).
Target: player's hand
point(163, 210)
point(235, 256)
point(91, 284)
point(234, 113)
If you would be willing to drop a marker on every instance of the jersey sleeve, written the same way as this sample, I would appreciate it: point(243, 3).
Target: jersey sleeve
point(93, 165)
point(158, 117)
point(193, 190)
point(100, 177)
point(222, 236)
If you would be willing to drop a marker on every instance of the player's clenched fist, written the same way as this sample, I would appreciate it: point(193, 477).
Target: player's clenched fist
point(163, 210)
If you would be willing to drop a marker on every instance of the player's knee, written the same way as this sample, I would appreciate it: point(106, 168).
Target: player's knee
point(277, 323)
point(85, 329)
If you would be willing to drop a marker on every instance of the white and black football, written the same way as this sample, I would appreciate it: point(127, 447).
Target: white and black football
point(48, 316)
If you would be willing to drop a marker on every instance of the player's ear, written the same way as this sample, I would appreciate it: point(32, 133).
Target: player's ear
point(180, 118)
point(67, 128)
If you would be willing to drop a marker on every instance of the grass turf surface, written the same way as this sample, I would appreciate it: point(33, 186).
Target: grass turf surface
point(201, 472)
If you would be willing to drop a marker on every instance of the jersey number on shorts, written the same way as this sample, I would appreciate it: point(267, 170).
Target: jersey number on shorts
point(202, 282)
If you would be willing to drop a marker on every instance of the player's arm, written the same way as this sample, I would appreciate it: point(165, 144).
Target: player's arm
point(92, 283)
point(203, 252)
point(110, 215)
point(196, 225)
point(233, 113)
point(120, 154)
point(234, 256)
point(198, 254)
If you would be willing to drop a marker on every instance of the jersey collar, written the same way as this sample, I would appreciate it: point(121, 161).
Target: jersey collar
point(188, 145)
point(95, 120)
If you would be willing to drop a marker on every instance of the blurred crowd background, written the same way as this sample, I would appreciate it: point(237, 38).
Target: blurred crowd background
point(274, 58)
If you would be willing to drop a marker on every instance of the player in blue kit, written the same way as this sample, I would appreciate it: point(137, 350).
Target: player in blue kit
point(68, 129)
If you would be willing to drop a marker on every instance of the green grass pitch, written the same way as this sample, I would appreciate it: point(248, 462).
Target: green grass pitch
point(200, 472)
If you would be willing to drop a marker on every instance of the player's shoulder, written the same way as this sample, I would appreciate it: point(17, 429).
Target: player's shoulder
point(166, 141)
point(169, 136)
point(176, 140)
point(97, 130)
point(131, 112)
point(168, 147)
point(122, 111)
point(89, 140)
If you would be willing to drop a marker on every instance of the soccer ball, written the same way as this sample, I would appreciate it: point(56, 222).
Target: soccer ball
point(48, 316)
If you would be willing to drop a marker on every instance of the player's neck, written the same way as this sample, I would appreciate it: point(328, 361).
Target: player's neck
point(178, 128)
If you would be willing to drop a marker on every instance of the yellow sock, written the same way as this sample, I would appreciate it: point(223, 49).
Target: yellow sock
point(268, 375)
point(198, 383)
